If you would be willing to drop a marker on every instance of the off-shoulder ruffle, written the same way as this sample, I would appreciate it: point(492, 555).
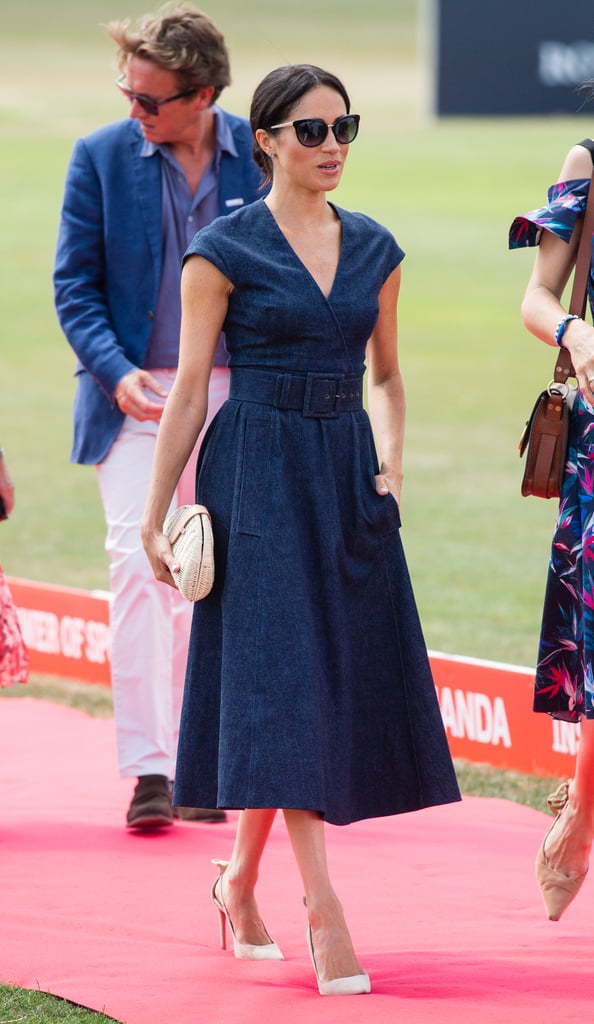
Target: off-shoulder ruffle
point(566, 202)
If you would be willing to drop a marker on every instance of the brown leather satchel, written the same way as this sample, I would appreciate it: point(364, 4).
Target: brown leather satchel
point(546, 434)
point(544, 439)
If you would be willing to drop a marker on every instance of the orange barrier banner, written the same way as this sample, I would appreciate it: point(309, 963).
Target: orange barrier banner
point(66, 630)
point(486, 706)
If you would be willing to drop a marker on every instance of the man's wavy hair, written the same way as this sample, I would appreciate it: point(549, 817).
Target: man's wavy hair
point(178, 38)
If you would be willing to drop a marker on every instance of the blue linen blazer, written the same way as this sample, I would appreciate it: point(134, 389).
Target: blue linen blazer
point(108, 264)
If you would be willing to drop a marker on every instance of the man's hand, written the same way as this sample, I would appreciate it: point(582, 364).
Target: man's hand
point(133, 399)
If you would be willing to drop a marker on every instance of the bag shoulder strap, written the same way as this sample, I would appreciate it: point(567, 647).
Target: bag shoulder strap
point(579, 291)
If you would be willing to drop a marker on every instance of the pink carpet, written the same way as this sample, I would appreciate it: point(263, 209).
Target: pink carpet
point(443, 906)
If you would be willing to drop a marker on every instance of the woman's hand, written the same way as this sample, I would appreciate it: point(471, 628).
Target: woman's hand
point(388, 484)
point(160, 555)
point(578, 339)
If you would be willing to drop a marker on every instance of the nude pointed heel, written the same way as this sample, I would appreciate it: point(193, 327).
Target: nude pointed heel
point(242, 950)
point(558, 890)
point(356, 984)
point(222, 912)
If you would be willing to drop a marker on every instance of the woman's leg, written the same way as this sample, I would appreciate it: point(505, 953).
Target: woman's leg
point(238, 882)
point(333, 948)
point(570, 840)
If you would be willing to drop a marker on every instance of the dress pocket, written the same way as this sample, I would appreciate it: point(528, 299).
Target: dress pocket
point(389, 514)
point(382, 509)
point(253, 476)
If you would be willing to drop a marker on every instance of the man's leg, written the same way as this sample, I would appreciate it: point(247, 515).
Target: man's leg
point(146, 659)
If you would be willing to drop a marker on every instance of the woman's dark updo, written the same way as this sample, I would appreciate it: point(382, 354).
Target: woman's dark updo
point(278, 93)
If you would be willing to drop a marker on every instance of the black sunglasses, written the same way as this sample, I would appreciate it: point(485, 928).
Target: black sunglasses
point(311, 131)
point(147, 104)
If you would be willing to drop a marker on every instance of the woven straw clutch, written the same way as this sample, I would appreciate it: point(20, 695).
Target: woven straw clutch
point(189, 531)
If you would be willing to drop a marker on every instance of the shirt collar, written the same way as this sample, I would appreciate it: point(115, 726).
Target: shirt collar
point(224, 139)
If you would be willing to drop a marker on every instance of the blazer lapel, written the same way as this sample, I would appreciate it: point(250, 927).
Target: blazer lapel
point(147, 175)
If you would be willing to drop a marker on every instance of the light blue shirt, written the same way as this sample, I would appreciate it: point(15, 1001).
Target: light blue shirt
point(183, 215)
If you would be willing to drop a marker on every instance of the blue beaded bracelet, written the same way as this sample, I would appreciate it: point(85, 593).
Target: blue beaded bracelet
point(563, 324)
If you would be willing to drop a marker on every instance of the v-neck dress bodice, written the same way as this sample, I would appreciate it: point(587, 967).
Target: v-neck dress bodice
point(308, 682)
point(285, 322)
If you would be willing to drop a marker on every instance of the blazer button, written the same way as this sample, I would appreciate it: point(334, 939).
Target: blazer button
point(150, 314)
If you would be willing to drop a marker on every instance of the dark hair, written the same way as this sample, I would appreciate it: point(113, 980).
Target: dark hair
point(277, 94)
point(181, 39)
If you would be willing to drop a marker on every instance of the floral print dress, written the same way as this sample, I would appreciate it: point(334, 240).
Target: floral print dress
point(564, 685)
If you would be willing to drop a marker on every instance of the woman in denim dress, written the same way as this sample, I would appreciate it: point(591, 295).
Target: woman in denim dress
point(308, 685)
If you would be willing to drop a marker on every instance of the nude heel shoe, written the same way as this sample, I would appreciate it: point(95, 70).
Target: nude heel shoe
point(558, 890)
point(242, 950)
point(356, 984)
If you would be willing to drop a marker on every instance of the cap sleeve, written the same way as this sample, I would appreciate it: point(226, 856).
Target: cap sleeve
point(566, 202)
point(209, 242)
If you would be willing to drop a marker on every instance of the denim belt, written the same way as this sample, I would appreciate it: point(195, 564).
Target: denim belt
point(318, 395)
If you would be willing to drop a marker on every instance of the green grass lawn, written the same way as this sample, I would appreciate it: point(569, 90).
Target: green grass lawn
point(447, 189)
point(17, 1004)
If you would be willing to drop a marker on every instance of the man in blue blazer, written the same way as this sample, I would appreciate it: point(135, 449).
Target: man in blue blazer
point(136, 192)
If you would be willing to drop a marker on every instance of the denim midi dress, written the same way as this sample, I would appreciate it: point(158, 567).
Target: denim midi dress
point(564, 681)
point(308, 683)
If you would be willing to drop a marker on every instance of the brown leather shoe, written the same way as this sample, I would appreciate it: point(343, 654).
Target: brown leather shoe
point(151, 803)
point(204, 814)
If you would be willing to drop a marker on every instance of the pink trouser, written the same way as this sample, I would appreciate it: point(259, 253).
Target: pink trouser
point(149, 621)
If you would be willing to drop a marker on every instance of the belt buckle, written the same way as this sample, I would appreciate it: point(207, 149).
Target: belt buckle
point(319, 400)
